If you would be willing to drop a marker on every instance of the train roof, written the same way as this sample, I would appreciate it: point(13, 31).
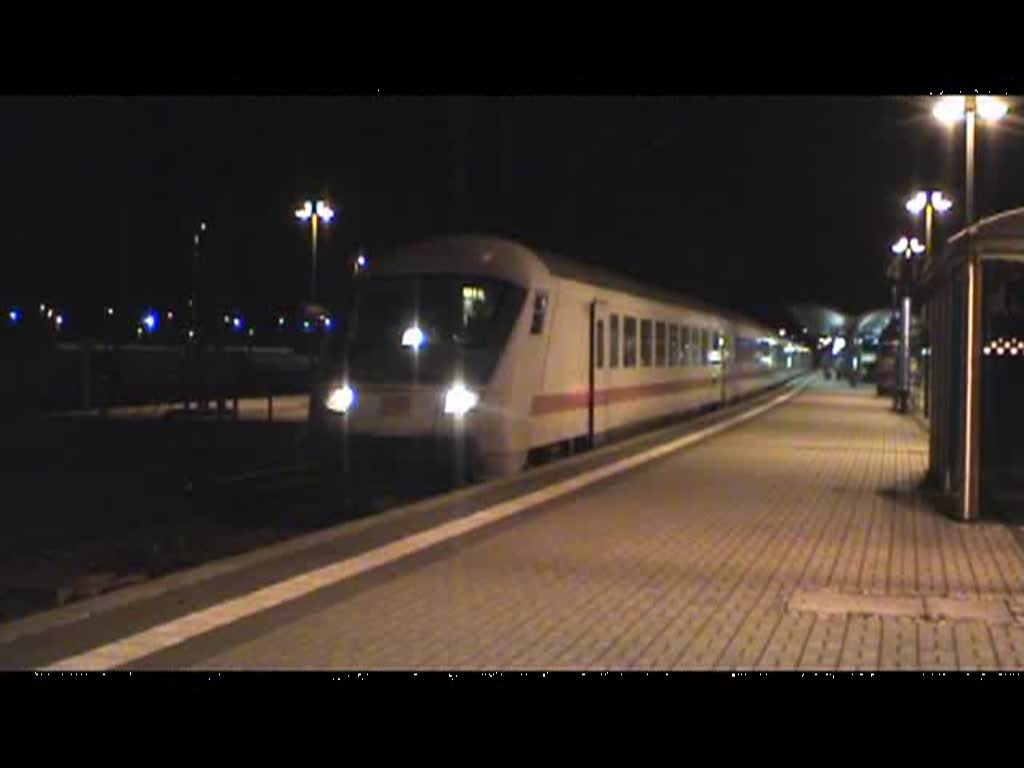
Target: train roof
point(570, 269)
point(587, 273)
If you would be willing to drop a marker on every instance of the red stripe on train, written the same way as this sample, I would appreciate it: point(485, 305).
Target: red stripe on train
point(569, 401)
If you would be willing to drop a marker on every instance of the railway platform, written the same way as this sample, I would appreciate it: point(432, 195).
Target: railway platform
point(791, 536)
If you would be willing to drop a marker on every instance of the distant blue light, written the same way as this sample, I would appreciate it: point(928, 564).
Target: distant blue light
point(236, 323)
point(305, 326)
point(327, 323)
point(14, 316)
point(150, 321)
point(361, 261)
point(59, 320)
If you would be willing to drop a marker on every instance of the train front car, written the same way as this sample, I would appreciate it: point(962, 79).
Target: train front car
point(759, 359)
point(417, 376)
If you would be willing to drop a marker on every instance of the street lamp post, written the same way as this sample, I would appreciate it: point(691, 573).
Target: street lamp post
point(907, 249)
point(314, 214)
point(195, 338)
point(196, 239)
point(952, 109)
point(928, 201)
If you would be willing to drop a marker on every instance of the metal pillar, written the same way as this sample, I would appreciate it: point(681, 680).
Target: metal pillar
point(972, 351)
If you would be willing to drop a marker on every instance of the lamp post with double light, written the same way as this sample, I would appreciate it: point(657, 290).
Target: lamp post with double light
point(905, 249)
point(950, 110)
point(314, 213)
point(196, 272)
point(930, 202)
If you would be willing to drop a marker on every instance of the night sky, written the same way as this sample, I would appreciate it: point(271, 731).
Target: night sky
point(752, 203)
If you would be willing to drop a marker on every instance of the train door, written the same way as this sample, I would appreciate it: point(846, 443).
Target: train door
point(716, 359)
point(723, 365)
point(597, 401)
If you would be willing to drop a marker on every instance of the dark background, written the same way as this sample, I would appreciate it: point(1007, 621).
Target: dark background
point(753, 203)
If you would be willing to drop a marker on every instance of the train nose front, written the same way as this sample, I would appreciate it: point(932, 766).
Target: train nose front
point(412, 432)
point(408, 420)
point(392, 411)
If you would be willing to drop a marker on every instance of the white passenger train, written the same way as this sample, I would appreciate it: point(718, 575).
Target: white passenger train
point(513, 352)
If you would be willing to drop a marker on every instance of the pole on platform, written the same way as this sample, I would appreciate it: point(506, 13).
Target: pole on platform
point(972, 356)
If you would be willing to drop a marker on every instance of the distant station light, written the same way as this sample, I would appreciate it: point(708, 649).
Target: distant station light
point(252, 332)
point(110, 311)
point(328, 323)
point(59, 321)
point(922, 200)
point(14, 316)
point(236, 323)
point(907, 247)
point(940, 202)
point(150, 321)
point(952, 109)
point(170, 315)
point(324, 211)
point(917, 203)
point(280, 322)
point(305, 212)
point(306, 325)
point(42, 308)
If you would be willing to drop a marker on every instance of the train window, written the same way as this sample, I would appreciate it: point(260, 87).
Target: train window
point(684, 345)
point(694, 346)
point(475, 306)
point(705, 346)
point(646, 339)
point(659, 345)
point(716, 355)
point(629, 342)
point(753, 354)
point(540, 306)
point(673, 345)
point(613, 341)
point(599, 344)
point(466, 320)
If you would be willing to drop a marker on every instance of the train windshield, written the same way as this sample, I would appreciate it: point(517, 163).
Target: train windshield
point(428, 327)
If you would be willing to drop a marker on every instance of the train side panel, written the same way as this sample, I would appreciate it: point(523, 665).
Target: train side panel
point(505, 429)
point(625, 395)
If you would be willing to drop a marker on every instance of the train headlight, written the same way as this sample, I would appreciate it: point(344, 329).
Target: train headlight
point(413, 337)
point(341, 399)
point(459, 401)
